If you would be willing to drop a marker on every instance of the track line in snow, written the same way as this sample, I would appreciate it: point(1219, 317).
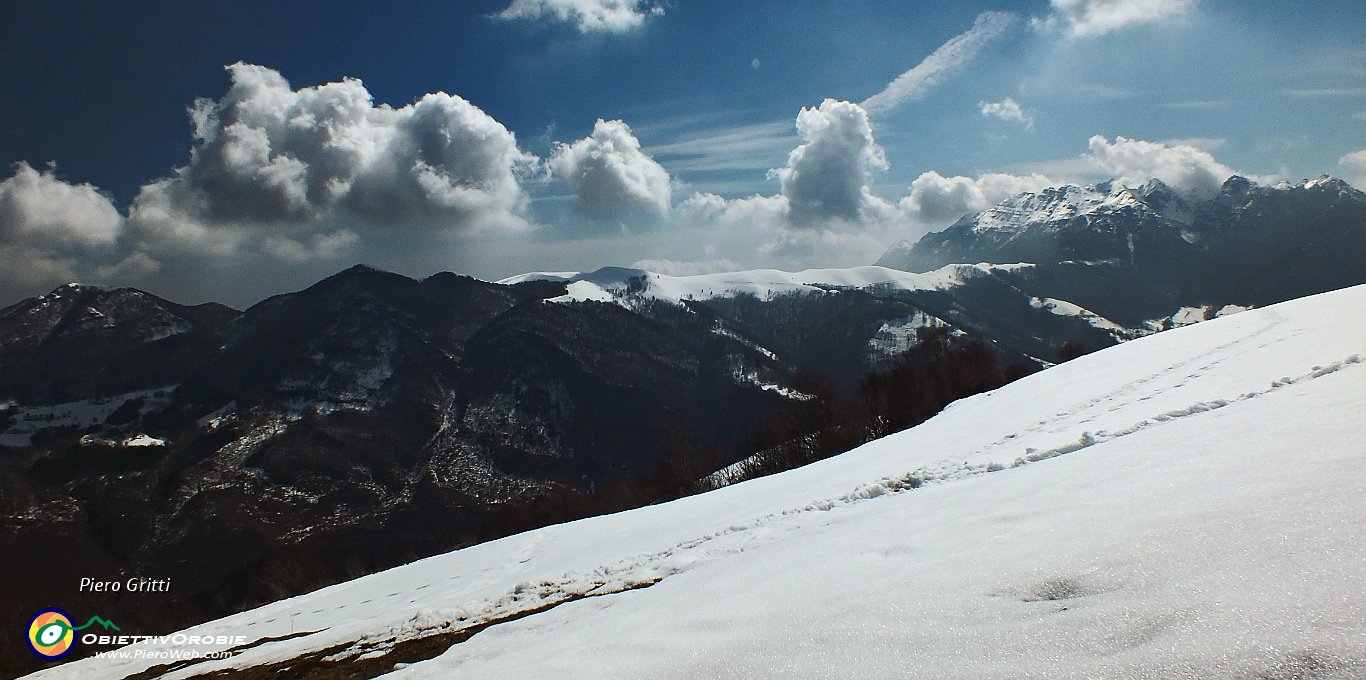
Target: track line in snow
point(529, 598)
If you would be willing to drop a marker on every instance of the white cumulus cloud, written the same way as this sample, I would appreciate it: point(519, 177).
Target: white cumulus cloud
point(1007, 109)
point(613, 16)
point(610, 175)
point(39, 210)
point(274, 166)
point(1089, 18)
point(1355, 165)
point(825, 212)
point(712, 211)
point(826, 177)
point(989, 28)
point(1184, 167)
point(936, 201)
point(50, 229)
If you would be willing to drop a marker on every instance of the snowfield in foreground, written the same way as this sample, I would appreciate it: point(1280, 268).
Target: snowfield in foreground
point(1189, 504)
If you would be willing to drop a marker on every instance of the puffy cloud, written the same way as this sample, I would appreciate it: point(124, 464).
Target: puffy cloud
point(826, 177)
point(274, 165)
point(1007, 109)
point(988, 28)
point(613, 16)
point(41, 211)
point(1088, 18)
point(754, 212)
point(825, 212)
point(49, 229)
point(936, 201)
point(1355, 164)
point(612, 178)
point(447, 164)
point(1182, 166)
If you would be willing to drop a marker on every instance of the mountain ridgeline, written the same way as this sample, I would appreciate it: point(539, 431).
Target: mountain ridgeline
point(1133, 254)
point(373, 419)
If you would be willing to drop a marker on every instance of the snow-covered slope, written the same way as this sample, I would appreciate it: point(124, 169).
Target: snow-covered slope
point(1189, 504)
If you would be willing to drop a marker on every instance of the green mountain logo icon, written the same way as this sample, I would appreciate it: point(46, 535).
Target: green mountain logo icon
point(105, 623)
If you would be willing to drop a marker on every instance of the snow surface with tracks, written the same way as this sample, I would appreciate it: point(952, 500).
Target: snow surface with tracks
point(1188, 504)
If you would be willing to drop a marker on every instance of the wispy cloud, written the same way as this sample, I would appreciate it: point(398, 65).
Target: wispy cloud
point(1326, 92)
point(749, 146)
point(1091, 18)
point(589, 16)
point(990, 27)
point(1104, 91)
point(686, 267)
point(1199, 104)
point(749, 185)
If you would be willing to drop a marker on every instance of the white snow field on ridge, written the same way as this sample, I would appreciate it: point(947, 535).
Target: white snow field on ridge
point(1188, 504)
point(609, 283)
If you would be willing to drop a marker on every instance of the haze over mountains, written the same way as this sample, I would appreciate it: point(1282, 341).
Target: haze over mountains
point(372, 419)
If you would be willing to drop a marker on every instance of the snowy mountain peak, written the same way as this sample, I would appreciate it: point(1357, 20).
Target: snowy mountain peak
point(68, 289)
point(1056, 205)
point(360, 272)
point(1328, 183)
point(1155, 186)
point(1152, 223)
point(1236, 185)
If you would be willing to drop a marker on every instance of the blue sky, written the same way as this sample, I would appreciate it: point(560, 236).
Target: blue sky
point(682, 135)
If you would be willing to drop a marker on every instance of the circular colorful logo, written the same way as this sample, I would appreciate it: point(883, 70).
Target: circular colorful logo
point(51, 634)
